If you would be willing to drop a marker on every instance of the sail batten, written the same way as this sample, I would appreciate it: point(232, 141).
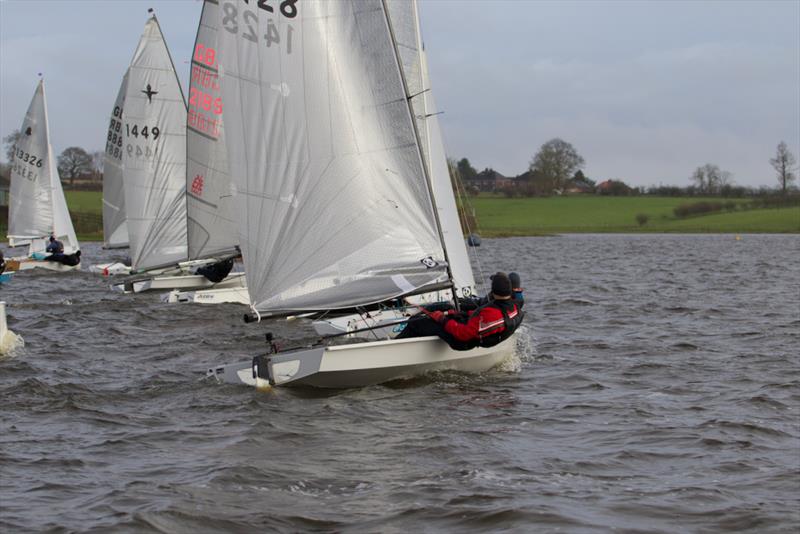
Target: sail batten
point(332, 196)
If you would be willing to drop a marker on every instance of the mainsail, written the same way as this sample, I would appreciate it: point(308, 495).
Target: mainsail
point(115, 226)
point(333, 202)
point(211, 228)
point(37, 206)
point(154, 156)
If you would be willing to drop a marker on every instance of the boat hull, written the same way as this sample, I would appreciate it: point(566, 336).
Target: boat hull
point(110, 269)
point(168, 283)
point(26, 264)
point(363, 364)
point(229, 295)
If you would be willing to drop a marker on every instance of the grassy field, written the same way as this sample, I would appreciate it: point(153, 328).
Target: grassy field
point(499, 216)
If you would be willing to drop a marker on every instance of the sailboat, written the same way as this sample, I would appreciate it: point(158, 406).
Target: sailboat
point(211, 228)
point(115, 222)
point(334, 196)
point(154, 121)
point(38, 209)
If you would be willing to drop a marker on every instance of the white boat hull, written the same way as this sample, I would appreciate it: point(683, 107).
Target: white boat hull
point(110, 269)
point(372, 321)
point(230, 295)
point(26, 264)
point(177, 281)
point(363, 364)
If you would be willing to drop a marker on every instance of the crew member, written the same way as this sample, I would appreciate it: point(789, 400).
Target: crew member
point(2, 263)
point(55, 246)
point(487, 326)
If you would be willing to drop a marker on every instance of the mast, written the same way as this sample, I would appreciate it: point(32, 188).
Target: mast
point(425, 169)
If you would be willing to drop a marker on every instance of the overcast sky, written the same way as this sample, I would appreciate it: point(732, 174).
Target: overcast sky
point(645, 91)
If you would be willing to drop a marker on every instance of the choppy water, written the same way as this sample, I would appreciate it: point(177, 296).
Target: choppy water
point(657, 390)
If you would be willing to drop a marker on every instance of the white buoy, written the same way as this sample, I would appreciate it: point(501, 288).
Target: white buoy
point(8, 339)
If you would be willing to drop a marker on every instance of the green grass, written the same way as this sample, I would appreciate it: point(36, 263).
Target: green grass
point(85, 201)
point(498, 216)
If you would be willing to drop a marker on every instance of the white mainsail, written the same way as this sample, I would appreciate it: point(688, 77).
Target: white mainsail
point(37, 206)
point(154, 156)
point(211, 227)
point(332, 199)
point(115, 225)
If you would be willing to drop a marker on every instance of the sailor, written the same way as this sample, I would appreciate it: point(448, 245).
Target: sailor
point(2, 262)
point(469, 304)
point(55, 246)
point(486, 326)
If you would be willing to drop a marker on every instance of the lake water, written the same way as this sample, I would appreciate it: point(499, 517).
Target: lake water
point(656, 389)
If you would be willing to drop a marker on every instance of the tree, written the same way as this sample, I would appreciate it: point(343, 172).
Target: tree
point(783, 163)
point(710, 179)
point(466, 170)
point(556, 161)
point(9, 141)
point(74, 162)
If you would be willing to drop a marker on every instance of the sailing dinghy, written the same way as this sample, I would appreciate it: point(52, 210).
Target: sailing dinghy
point(38, 208)
point(165, 254)
point(115, 223)
point(211, 228)
point(333, 195)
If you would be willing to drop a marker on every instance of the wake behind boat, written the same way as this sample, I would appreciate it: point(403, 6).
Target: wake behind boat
point(337, 205)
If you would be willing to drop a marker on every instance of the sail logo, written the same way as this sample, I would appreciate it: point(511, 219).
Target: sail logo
point(197, 185)
point(149, 92)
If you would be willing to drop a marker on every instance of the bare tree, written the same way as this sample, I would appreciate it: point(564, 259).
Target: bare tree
point(784, 163)
point(74, 162)
point(556, 162)
point(710, 179)
point(9, 141)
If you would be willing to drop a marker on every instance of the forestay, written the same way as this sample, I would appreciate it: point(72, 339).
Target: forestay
point(37, 205)
point(154, 124)
point(332, 199)
point(211, 228)
point(115, 226)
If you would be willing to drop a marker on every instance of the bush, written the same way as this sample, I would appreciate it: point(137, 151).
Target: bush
point(697, 208)
point(642, 219)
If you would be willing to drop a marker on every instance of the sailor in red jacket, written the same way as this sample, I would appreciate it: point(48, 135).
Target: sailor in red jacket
point(487, 326)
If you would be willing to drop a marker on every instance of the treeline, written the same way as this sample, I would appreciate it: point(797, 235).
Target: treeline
point(709, 207)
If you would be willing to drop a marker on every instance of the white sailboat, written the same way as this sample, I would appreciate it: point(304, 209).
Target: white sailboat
point(115, 222)
point(212, 231)
point(178, 221)
point(334, 200)
point(37, 207)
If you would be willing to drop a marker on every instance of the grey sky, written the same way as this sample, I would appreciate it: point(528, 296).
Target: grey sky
point(646, 91)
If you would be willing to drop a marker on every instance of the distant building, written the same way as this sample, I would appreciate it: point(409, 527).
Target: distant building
point(489, 180)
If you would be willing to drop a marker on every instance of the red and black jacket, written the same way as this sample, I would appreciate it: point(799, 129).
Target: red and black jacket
point(488, 325)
